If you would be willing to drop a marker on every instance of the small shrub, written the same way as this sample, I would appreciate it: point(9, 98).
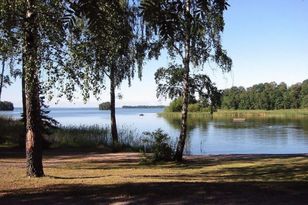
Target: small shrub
point(159, 144)
point(175, 105)
point(196, 107)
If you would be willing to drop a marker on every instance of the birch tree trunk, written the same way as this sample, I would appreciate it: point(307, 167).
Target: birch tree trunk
point(33, 136)
point(186, 61)
point(114, 131)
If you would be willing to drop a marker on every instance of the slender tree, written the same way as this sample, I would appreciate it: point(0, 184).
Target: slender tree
point(170, 84)
point(106, 43)
point(190, 30)
point(2, 76)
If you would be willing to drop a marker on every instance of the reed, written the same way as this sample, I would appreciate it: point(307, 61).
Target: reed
point(11, 133)
point(227, 114)
point(10, 130)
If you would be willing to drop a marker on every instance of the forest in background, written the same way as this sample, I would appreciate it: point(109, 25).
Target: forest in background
point(266, 96)
point(262, 96)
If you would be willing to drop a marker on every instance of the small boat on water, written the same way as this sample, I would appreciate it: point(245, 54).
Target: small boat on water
point(239, 119)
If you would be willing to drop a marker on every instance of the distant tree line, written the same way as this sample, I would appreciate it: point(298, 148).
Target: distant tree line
point(5, 105)
point(266, 96)
point(143, 106)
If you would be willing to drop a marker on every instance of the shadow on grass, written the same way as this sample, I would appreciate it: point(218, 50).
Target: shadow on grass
point(67, 152)
point(171, 193)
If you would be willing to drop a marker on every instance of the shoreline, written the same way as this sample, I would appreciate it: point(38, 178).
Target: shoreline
point(105, 150)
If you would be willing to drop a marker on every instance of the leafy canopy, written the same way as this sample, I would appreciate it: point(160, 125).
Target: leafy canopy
point(168, 25)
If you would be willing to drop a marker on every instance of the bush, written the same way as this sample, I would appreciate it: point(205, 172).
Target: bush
point(6, 106)
point(160, 146)
point(196, 107)
point(175, 105)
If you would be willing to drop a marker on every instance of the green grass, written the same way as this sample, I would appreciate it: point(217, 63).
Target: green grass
point(92, 177)
point(10, 131)
point(79, 136)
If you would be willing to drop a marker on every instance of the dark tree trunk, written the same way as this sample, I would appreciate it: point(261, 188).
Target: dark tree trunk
point(114, 131)
point(23, 94)
point(33, 135)
point(2, 76)
point(23, 115)
point(186, 61)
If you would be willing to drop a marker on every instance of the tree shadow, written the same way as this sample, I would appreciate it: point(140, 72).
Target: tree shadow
point(168, 193)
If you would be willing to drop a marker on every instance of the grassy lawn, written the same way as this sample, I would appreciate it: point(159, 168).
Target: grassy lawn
point(92, 176)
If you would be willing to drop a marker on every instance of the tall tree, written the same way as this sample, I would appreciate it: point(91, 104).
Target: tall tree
point(33, 136)
point(189, 30)
point(107, 46)
point(37, 28)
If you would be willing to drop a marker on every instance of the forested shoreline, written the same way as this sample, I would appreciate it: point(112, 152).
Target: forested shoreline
point(266, 96)
point(262, 96)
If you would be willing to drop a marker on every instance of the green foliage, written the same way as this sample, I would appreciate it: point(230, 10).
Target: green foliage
point(175, 105)
point(304, 102)
point(10, 131)
point(81, 136)
point(104, 106)
point(266, 96)
point(51, 42)
point(196, 107)
point(170, 25)
point(159, 143)
point(6, 106)
point(170, 84)
point(189, 31)
point(103, 45)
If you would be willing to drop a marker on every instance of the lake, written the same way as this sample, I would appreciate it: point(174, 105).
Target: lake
point(271, 136)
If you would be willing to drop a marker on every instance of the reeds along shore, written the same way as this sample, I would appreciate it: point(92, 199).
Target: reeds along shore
point(247, 114)
point(11, 134)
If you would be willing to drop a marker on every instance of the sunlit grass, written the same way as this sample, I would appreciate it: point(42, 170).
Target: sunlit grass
point(104, 169)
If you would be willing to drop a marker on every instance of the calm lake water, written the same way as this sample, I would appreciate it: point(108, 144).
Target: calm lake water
point(205, 136)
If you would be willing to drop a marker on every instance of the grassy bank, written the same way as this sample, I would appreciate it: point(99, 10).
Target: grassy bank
point(221, 114)
point(11, 133)
point(92, 177)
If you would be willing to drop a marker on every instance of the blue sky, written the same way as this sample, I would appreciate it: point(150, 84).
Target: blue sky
point(266, 39)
